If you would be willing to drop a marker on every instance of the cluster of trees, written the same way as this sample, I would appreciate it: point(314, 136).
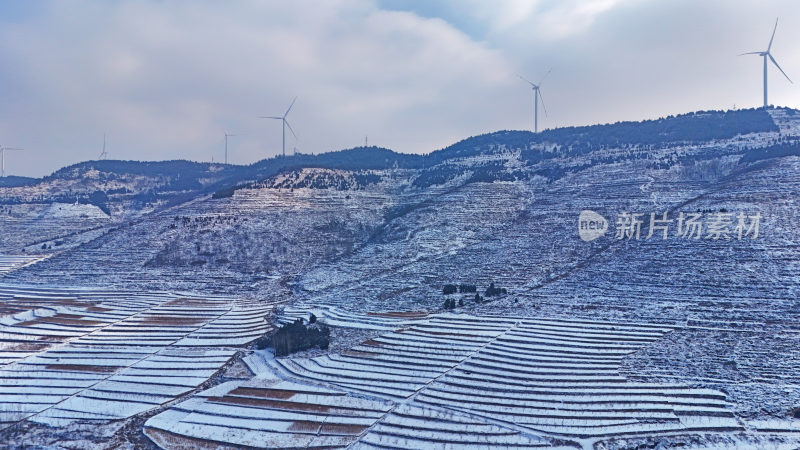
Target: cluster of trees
point(179, 175)
point(692, 127)
point(448, 289)
point(450, 303)
point(321, 180)
point(789, 148)
point(573, 141)
point(355, 159)
point(486, 173)
point(492, 291)
point(297, 336)
point(579, 141)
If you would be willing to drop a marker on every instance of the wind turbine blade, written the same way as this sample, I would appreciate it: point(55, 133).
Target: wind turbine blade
point(270, 117)
point(290, 128)
point(773, 35)
point(539, 91)
point(750, 53)
point(779, 67)
point(290, 107)
point(545, 76)
point(526, 80)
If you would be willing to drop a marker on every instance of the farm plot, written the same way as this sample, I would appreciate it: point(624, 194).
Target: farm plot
point(68, 355)
point(12, 262)
point(454, 380)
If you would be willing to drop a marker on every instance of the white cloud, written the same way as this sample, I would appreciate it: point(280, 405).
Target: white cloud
point(165, 78)
point(546, 20)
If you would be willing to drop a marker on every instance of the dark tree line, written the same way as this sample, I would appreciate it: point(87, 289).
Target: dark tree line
point(296, 336)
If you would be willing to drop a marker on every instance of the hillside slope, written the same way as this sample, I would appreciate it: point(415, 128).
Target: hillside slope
point(356, 236)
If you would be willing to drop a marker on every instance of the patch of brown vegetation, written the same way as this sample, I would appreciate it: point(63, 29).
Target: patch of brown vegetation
point(275, 404)
point(51, 339)
point(25, 346)
point(83, 368)
point(188, 302)
point(304, 425)
point(63, 319)
point(341, 428)
point(373, 343)
point(263, 393)
point(172, 320)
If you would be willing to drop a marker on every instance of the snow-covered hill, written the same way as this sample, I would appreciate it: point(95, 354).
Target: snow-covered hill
point(357, 235)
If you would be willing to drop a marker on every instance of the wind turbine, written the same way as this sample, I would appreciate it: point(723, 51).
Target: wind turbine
point(285, 124)
point(226, 145)
point(766, 54)
point(104, 153)
point(537, 97)
point(3, 150)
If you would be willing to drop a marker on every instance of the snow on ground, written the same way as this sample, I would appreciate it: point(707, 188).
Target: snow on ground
point(460, 380)
point(70, 355)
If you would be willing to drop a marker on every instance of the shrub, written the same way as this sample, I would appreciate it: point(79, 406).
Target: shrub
point(449, 289)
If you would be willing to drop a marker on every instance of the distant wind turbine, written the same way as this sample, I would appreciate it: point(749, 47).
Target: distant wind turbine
point(104, 153)
point(766, 54)
point(537, 97)
point(227, 135)
point(285, 124)
point(3, 150)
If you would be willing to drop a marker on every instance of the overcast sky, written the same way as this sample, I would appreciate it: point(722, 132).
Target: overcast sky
point(165, 79)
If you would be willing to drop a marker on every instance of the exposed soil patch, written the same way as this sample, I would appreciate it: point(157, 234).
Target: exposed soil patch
point(83, 368)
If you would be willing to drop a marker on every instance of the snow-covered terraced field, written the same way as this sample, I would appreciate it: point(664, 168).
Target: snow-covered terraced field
point(12, 262)
point(451, 380)
point(72, 354)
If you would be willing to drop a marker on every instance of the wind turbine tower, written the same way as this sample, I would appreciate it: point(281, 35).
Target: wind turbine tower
point(537, 97)
point(3, 150)
point(227, 135)
point(285, 124)
point(767, 55)
point(104, 153)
